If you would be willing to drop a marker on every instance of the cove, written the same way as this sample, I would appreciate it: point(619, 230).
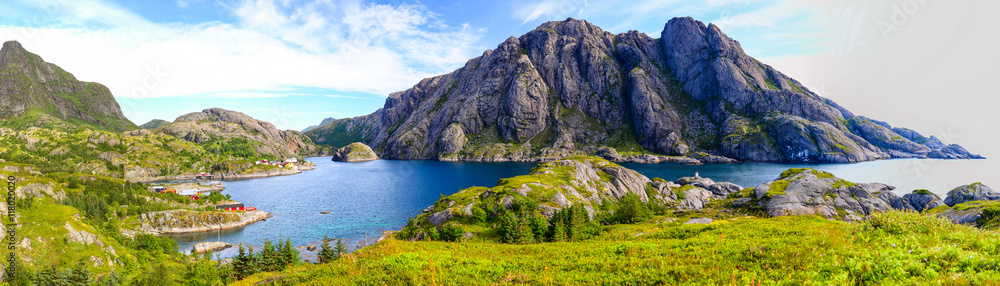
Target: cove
point(364, 197)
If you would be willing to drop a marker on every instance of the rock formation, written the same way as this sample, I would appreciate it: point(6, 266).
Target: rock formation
point(971, 192)
point(920, 200)
point(809, 191)
point(569, 87)
point(355, 152)
point(231, 128)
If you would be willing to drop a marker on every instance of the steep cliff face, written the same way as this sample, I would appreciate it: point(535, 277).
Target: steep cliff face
point(36, 93)
point(237, 134)
point(569, 87)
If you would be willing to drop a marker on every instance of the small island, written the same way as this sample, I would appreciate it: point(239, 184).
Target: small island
point(355, 152)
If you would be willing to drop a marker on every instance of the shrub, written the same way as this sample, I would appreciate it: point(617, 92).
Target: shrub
point(451, 233)
point(478, 214)
point(631, 210)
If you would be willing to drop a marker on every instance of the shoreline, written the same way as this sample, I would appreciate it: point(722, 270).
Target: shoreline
point(162, 217)
point(265, 174)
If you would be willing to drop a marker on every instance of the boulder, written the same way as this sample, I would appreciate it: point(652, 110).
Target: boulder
point(211, 246)
point(609, 154)
point(920, 200)
point(700, 220)
point(809, 192)
point(971, 192)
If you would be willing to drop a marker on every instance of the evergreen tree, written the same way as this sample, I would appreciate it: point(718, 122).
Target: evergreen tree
point(523, 234)
point(507, 228)
point(253, 262)
point(558, 233)
point(289, 255)
point(80, 275)
point(577, 218)
point(340, 250)
point(240, 263)
point(269, 258)
point(326, 253)
point(539, 226)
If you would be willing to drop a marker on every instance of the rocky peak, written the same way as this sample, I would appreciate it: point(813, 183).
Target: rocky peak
point(44, 92)
point(568, 87)
point(217, 124)
point(573, 28)
point(11, 51)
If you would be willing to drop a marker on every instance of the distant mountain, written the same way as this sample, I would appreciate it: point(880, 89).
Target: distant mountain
point(569, 87)
point(155, 123)
point(36, 93)
point(238, 134)
point(325, 122)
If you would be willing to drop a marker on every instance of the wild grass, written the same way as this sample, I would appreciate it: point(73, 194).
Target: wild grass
point(889, 248)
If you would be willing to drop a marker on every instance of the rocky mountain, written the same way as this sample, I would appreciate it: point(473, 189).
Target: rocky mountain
point(237, 134)
point(155, 123)
point(569, 87)
point(36, 93)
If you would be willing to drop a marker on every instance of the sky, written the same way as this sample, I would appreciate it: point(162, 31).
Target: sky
point(921, 64)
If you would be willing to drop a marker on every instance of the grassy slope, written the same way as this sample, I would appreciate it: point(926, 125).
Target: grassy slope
point(893, 248)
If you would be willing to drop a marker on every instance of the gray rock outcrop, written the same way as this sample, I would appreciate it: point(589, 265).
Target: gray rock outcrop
point(919, 200)
point(971, 192)
point(210, 246)
point(809, 191)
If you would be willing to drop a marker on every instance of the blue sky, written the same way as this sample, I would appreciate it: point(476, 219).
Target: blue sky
point(294, 63)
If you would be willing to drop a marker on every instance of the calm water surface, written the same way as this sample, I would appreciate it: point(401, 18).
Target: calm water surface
point(366, 197)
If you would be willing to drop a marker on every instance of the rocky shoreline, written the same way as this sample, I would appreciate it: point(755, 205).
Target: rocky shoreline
point(185, 221)
point(227, 177)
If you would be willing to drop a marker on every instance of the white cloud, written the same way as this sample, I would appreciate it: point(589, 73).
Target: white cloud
point(274, 46)
point(551, 10)
point(768, 16)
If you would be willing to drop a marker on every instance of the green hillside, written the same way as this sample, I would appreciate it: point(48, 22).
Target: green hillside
point(892, 248)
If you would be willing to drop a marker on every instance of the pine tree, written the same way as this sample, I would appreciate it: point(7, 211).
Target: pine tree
point(539, 226)
point(340, 250)
point(270, 261)
point(326, 253)
point(289, 255)
point(577, 218)
point(508, 227)
point(523, 233)
point(240, 263)
point(253, 262)
point(558, 230)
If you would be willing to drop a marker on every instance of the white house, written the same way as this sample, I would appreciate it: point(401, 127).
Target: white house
point(188, 192)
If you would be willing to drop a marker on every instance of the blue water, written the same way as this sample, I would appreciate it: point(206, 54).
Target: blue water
point(362, 198)
point(366, 197)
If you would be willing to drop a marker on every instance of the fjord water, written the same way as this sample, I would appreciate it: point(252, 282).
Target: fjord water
point(363, 198)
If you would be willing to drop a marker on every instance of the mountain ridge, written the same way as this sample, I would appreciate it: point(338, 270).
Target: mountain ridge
point(233, 131)
point(568, 87)
point(34, 92)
